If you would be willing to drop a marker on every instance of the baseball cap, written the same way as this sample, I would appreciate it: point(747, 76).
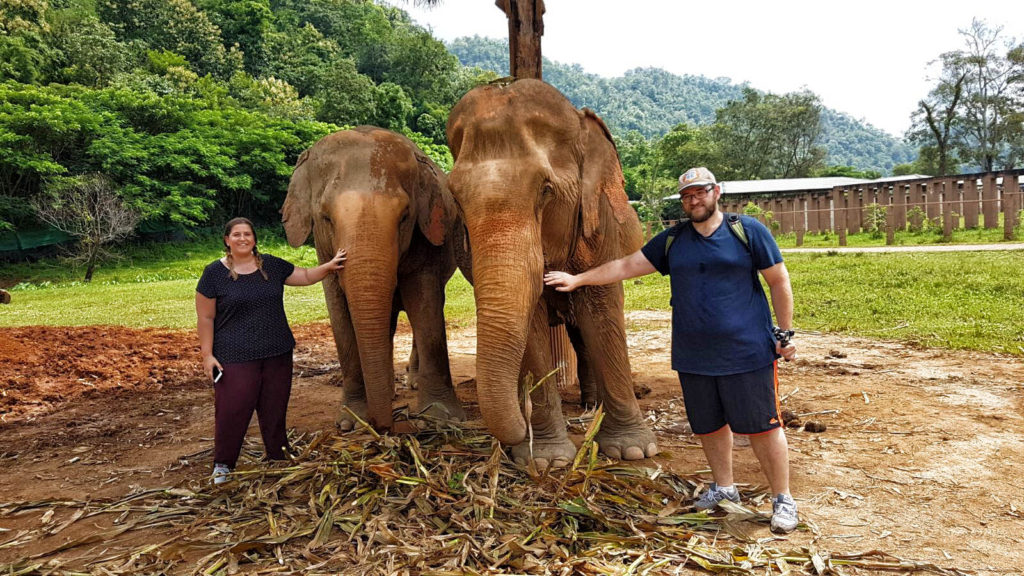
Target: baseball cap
point(699, 176)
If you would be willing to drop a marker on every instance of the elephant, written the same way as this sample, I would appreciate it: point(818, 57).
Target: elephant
point(375, 194)
point(539, 187)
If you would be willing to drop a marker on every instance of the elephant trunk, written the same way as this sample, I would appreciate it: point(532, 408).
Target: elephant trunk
point(369, 286)
point(507, 284)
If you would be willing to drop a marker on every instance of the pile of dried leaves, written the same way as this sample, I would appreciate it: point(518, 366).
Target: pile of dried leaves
point(446, 501)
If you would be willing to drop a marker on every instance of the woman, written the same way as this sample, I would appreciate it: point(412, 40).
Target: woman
point(246, 343)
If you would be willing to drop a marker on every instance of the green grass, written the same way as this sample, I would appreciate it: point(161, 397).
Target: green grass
point(151, 262)
point(154, 286)
point(960, 300)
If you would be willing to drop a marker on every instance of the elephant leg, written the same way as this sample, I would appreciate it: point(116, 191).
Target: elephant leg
point(423, 298)
point(588, 382)
point(396, 307)
point(353, 387)
point(599, 316)
point(413, 366)
point(550, 445)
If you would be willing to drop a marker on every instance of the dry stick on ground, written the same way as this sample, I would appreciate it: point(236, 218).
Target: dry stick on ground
point(447, 501)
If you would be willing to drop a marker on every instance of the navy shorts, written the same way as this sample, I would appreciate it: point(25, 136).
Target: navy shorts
point(747, 402)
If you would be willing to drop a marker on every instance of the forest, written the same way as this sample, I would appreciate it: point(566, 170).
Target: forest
point(184, 112)
point(193, 111)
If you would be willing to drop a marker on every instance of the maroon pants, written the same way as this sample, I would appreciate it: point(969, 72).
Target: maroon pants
point(262, 385)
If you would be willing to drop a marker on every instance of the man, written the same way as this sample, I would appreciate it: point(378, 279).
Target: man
point(723, 343)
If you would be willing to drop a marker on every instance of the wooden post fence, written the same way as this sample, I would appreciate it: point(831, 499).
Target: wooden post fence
point(990, 201)
point(969, 200)
point(1012, 202)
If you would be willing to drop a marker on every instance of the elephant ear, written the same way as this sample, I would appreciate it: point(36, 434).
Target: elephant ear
point(603, 183)
point(435, 208)
point(296, 213)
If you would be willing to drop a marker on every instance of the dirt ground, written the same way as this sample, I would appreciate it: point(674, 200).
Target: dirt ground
point(921, 456)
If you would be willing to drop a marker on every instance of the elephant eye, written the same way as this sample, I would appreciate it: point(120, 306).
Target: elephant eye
point(326, 217)
point(549, 189)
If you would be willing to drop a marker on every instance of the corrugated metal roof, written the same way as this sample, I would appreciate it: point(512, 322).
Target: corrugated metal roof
point(907, 177)
point(783, 185)
point(786, 185)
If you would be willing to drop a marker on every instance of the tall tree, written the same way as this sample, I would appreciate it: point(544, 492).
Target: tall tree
point(245, 23)
point(988, 94)
point(937, 115)
point(1015, 120)
point(684, 147)
point(88, 209)
point(23, 49)
point(770, 136)
point(175, 25)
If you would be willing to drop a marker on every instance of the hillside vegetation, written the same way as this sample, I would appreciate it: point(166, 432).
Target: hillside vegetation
point(652, 101)
point(197, 110)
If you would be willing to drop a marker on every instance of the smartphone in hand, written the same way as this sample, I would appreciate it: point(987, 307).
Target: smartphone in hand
point(217, 373)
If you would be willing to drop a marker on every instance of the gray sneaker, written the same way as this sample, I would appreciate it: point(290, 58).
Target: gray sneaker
point(784, 518)
point(710, 498)
point(220, 473)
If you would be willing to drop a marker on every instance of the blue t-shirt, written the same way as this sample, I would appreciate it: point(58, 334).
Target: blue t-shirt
point(250, 323)
point(721, 322)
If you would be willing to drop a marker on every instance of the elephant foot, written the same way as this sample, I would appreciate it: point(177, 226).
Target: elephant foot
point(553, 453)
point(588, 396)
point(411, 378)
point(345, 422)
point(634, 442)
point(588, 402)
point(443, 406)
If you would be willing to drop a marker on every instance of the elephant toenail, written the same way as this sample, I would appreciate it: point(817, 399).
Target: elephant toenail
point(652, 450)
point(634, 453)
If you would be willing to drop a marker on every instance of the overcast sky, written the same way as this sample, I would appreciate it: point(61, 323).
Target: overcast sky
point(866, 58)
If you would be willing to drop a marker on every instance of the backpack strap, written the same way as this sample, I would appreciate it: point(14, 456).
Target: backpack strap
point(736, 227)
point(674, 231)
point(732, 220)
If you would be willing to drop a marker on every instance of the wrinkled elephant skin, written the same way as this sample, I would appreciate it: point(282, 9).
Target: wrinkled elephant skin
point(375, 194)
point(540, 187)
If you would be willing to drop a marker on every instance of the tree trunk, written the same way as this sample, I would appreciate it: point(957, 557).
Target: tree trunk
point(90, 266)
point(525, 27)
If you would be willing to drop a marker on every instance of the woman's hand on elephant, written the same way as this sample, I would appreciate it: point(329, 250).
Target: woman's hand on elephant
point(310, 276)
point(561, 281)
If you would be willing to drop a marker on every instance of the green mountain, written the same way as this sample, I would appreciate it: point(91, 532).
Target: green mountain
point(651, 101)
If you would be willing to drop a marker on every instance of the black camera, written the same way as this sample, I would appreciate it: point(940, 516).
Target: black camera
point(782, 336)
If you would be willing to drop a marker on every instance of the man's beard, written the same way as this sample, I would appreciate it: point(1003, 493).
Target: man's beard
point(709, 210)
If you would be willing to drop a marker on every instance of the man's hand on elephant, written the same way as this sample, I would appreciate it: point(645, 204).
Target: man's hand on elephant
point(338, 262)
point(561, 281)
